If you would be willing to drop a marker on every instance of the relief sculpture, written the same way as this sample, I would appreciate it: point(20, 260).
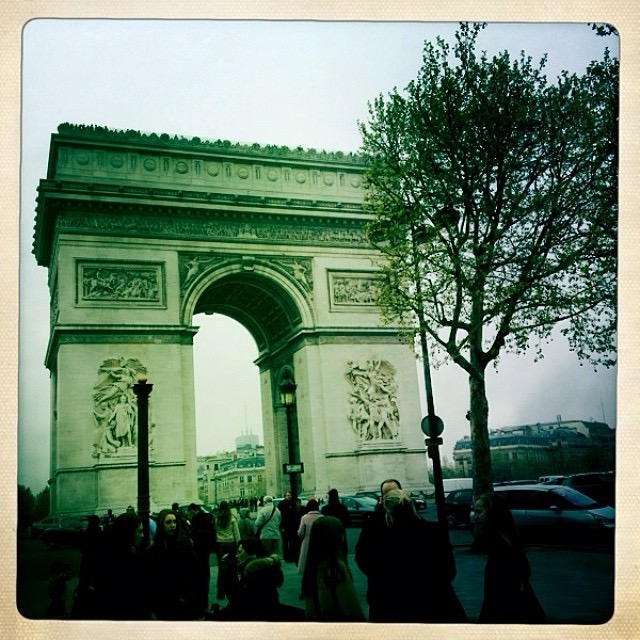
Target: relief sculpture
point(373, 400)
point(115, 406)
point(354, 290)
point(120, 283)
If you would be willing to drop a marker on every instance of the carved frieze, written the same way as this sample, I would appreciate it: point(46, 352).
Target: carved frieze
point(198, 227)
point(373, 401)
point(153, 166)
point(126, 283)
point(55, 304)
point(300, 269)
point(192, 265)
point(352, 289)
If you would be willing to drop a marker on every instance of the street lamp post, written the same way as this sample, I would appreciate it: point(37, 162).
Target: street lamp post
point(433, 426)
point(142, 390)
point(288, 399)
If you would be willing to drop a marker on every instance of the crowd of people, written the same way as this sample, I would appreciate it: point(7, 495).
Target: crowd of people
point(168, 578)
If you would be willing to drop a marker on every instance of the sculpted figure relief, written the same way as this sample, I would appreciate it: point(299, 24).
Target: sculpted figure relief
point(119, 283)
point(354, 291)
point(373, 410)
point(115, 406)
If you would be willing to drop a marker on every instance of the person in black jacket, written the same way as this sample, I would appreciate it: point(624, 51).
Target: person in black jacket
point(336, 509)
point(173, 575)
point(121, 583)
point(289, 528)
point(508, 595)
point(402, 554)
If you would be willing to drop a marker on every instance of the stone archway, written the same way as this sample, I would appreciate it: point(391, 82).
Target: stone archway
point(142, 232)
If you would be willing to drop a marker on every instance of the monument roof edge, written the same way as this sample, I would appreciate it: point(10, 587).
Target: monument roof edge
point(131, 136)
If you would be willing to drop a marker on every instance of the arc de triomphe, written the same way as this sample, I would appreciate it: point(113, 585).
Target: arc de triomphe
point(139, 233)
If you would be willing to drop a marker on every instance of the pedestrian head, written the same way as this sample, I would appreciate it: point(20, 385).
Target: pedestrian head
point(328, 538)
point(493, 518)
point(268, 499)
point(388, 484)
point(168, 527)
point(249, 548)
point(93, 523)
point(312, 505)
point(334, 497)
point(263, 576)
point(287, 495)
point(398, 507)
point(130, 509)
point(127, 533)
point(175, 506)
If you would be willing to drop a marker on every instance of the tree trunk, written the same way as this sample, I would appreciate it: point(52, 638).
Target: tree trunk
point(482, 475)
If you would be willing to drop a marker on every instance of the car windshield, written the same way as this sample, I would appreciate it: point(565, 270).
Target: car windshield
point(577, 499)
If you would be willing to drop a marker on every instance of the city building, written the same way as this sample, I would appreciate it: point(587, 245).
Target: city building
point(233, 475)
point(560, 447)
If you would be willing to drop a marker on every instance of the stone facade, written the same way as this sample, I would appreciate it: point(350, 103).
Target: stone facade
point(564, 446)
point(140, 233)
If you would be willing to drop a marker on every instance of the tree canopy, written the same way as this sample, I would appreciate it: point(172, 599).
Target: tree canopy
point(494, 195)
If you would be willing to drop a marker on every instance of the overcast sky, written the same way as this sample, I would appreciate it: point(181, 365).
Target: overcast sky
point(284, 83)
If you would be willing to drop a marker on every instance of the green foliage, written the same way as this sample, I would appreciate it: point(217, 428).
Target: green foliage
point(30, 508)
point(42, 506)
point(26, 505)
point(494, 197)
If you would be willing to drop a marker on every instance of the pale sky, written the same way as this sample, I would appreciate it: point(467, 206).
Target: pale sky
point(283, 83)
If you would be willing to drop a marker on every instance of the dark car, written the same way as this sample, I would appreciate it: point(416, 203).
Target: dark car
point(599, 486)
point(457, 507)
point(69, 532)
point(39, 527)
point(359, 508)
point(557, 514)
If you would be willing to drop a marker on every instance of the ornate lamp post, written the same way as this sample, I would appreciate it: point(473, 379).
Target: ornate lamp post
point(288, 399)
point(142, 390)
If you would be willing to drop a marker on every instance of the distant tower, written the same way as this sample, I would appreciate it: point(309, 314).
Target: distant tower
point(247, 441)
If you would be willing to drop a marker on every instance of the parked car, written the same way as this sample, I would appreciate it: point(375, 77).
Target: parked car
point(451, 484)
point(38, 528)
point(457, 507)
point(69, 532)
point(360, 508)
point(599, 486)
point(558, 514)
point(419, 503)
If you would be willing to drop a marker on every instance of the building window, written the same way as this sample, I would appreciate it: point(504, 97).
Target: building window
point(249, 479)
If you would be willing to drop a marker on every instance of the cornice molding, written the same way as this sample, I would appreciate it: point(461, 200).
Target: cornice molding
point(132, 136)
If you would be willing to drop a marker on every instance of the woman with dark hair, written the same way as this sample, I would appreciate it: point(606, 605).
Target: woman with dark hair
point(172, 571)
point(227, 539)
point(327, 581)
point(508, 595)
point(122, 583)
point(335, 508)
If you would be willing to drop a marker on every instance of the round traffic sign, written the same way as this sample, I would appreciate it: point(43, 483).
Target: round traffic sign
point(426, 429)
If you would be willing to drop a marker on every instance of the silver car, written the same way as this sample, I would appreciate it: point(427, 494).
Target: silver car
point(558, 514)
